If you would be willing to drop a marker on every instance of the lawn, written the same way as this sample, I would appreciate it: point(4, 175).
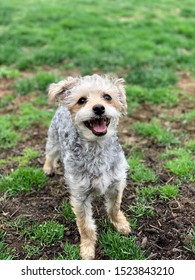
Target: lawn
point(151, 45)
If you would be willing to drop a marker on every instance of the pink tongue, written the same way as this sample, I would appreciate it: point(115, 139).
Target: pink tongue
point(99, 125)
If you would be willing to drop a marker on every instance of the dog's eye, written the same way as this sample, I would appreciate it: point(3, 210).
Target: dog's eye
point(107, 97)
point(82, 101)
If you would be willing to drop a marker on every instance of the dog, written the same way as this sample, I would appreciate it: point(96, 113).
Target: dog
point(83, 133)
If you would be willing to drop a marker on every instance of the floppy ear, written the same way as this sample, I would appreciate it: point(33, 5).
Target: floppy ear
point(120, 84)
point(61, 89)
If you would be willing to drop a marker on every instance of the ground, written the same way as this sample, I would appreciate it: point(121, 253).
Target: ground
point(157, 134)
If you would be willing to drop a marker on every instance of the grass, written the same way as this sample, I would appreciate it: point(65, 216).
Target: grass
point(71, 252)
point(38, 82)
point(137, 94)
point(190, 241)
point(22, 180)
point(146, 43)
point(24, 160)
point(66, 211)
point(151, 193)
point(156, 132)
point(5, 252)
point(46, 233)
point(188, 117)
point(111, 241)
point(138, 171)
point(182, 163)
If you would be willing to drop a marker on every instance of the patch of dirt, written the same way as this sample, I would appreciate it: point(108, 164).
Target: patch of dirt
point(186, 83)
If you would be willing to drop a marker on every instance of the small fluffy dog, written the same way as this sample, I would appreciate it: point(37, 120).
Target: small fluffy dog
point(83, 133)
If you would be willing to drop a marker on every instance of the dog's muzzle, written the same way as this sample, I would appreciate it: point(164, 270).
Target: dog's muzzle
point(98, 126)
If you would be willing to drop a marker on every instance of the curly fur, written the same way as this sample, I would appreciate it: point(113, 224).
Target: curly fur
point(91, 163)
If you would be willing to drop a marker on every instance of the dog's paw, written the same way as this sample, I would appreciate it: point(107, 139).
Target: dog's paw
point(123, 228)
point(120, 223)
point(48, 170)
point(87, 252)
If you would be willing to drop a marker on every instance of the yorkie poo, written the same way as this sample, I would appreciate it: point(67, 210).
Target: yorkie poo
point(83, 133)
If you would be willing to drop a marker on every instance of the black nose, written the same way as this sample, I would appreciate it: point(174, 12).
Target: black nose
point(99, 109)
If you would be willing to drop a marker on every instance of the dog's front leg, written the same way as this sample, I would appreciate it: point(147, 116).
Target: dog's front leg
point(116, 216)
point(85, 222)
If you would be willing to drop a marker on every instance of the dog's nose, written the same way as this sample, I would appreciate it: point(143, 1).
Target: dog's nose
point(98, 109)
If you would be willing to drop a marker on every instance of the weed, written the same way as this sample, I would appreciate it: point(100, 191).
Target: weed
point(137, 94)
point(30, 250)
point(155, 131)
point(5, 252)
point(66, 211)
point(168, 192)
point(28, 155)
point(6, 100)
point(149, 193)
point(111, 241)
point(190, 241)
point(39, 83)
point(71, 252)
point(182, 164)
point(3, 162)
point(23, 180)
point(29, 115)
point(8, 73)
point(142, 209)
point(188, 117)
point(191, 145)
point(150, 75)
point(139, 172)
point(8, 137)
point(24, 160)
point(47, 233)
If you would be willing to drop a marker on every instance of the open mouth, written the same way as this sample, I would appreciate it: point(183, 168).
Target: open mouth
point(98, 126)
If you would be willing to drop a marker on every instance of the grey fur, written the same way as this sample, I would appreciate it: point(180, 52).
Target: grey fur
point(88, 165)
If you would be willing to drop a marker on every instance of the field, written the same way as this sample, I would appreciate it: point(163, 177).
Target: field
point(151, 45)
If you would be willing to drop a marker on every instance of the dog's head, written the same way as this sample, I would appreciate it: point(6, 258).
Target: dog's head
point(95, 103)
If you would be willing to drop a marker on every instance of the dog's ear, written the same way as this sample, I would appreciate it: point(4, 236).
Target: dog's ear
point(120, 84)
point(61, 89)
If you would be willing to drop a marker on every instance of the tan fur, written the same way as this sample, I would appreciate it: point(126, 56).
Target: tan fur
point(116, 216)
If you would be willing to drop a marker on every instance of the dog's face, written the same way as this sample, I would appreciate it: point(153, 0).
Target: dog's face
point(95, 103)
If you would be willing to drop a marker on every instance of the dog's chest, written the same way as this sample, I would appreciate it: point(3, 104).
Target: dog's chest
point(96, 167)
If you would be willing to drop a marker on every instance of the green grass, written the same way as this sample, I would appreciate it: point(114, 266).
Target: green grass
point(160, 95)
point(46, 233)
point(22, 180)
point(111, 241)
point(138, 171)
point(5, 252)
point(9, 73)
point(188, 117)
point(140, 209)
point(154, 131)
point(182, 163)
point(190, 241)
point(38, 82)
point(28, 155)
point(71, 252)
point(32, 37)
point(151, 193)
point(148, 43)
point(8, 136)
point(66, 211)
point(6, 100)
point(30, 250)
